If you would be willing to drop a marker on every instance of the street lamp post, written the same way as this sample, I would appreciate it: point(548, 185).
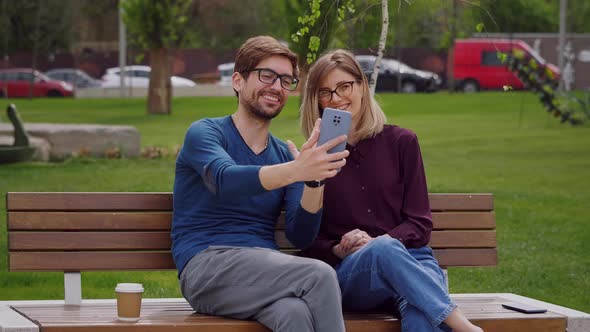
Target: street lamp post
point(560, 53)
point(122, 53)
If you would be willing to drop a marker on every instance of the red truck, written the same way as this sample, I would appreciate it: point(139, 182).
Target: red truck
point(476, 64)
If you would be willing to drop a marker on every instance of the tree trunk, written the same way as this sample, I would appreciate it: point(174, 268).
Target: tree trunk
point(160, 89)
point(382, 40)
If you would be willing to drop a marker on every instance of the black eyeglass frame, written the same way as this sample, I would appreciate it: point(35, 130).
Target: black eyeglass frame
point(332, 92)
point(278, 76)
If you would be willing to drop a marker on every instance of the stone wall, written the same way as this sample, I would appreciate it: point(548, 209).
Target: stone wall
point(56, 142)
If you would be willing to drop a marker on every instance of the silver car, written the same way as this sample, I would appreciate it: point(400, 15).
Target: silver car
point(75, 77)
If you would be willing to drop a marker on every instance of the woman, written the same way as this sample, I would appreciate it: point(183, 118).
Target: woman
point(376, 218)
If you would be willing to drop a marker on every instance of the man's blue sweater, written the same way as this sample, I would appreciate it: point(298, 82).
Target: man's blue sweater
point(218, 197)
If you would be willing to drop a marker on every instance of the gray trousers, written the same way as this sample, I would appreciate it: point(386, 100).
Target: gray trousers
point(283, 292)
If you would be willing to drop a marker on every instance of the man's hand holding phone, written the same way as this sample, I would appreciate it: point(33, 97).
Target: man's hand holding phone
point(314, 162)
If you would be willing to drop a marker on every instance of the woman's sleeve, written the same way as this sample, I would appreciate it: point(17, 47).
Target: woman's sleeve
point(416, 226)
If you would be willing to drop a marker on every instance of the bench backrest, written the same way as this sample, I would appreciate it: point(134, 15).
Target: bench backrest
point(131, 231)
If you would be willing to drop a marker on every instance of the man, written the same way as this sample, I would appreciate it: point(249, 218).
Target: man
point(232, 180)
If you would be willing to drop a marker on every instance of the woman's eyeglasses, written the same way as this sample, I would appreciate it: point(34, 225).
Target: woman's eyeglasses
point(342, 90)
point(269, 76)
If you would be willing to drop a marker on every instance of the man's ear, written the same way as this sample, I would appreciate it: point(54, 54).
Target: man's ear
point(237, 81)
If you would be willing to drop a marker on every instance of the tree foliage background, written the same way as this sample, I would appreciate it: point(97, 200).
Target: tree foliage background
point(225, 24)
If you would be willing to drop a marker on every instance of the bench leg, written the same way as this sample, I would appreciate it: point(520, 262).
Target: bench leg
point(73, 288)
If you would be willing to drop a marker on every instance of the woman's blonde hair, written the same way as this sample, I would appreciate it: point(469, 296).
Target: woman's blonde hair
point(371, 119)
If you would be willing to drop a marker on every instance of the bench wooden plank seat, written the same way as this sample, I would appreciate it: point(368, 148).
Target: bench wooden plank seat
point(75, 232)
point(178, 316)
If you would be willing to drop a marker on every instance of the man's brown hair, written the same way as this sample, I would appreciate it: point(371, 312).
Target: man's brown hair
point(256, 49)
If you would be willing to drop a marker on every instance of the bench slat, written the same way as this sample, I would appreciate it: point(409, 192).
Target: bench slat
point(161, 240)
point(150, 220)
point(461, 202)
point(89, 261)
point(75, 201)
point(466, 257)
point(438, 239)
point(41, 220)
point(89, 241)
point(137, 260)
point(463, 239)
point(120, 201)
point(464, 220)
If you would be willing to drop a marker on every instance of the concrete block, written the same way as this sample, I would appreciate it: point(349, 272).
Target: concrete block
point(67, 140)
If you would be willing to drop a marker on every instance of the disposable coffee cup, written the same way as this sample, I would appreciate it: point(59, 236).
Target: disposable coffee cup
point(129, 301)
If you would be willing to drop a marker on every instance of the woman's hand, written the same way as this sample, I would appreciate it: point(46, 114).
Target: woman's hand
point(351, 242)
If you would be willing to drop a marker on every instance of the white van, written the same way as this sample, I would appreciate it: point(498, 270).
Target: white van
point(225, 72)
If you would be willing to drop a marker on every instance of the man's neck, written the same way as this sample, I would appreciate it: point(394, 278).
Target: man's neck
point(253, 129)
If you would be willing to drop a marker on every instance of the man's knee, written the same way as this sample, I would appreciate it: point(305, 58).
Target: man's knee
point(291, 314)
point(322, 271)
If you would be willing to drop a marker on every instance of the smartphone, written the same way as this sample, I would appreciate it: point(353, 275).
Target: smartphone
point(334, 123)
point(524, 308)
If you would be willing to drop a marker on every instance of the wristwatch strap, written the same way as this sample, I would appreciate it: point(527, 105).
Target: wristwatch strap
point(315, 183)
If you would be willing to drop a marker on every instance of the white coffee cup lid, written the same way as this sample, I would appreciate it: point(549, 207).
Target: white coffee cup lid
point(129, 288)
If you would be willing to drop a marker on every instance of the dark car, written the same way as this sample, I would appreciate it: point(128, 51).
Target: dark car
point(397, 76)
point(75, 77)
point(16, 83)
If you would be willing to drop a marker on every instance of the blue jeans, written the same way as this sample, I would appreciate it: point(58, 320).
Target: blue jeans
point(385, 274)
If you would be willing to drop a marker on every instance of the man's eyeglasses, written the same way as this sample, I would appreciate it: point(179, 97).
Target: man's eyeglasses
point(269, 76)
point(343, 89)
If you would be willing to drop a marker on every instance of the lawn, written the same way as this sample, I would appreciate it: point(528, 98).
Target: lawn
point(503, 143)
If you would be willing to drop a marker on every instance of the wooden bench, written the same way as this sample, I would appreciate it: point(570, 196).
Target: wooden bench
point(75, 232)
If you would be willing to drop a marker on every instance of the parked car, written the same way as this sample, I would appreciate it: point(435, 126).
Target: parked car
point(138, 76)
point(397, 76)
point(16, 82)
point(476, 64)
point(225, 70)
point(76, 77)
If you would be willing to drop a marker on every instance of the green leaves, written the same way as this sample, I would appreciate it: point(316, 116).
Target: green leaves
point(541, 81)
point(158, 23)
point(316, 26)
point(502, 56)
point(313, 46)
point(479, 27)
point(347, 6)
point(307, 21)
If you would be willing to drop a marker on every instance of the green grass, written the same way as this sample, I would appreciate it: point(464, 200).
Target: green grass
point(503, 143)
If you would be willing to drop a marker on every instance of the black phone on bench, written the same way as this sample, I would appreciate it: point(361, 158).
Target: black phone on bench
point(524, 308)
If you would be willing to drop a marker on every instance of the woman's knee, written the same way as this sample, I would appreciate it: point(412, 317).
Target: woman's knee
point(385, 247)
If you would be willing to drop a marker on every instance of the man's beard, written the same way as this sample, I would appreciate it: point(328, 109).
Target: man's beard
point(253, 106)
